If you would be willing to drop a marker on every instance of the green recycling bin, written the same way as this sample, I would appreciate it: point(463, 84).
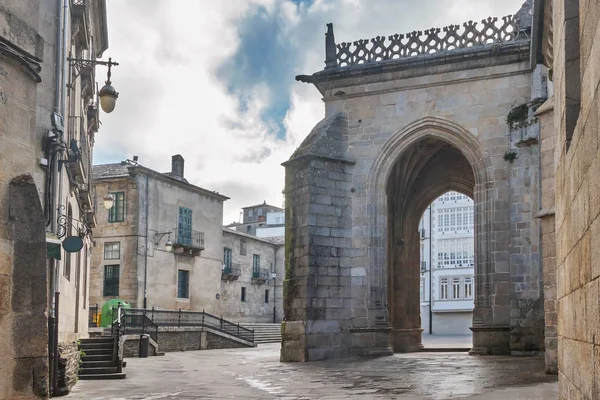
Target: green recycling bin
point(107, 311)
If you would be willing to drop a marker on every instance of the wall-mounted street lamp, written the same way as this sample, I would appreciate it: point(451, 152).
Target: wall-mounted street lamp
point(108, 95)
point(108, 200)
point(159, 236)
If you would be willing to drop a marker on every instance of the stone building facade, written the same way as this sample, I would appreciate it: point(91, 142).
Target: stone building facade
point(131, 259)
point(208, 265)
point(254, 217)
point(570, 46)
point(406, 121)
point(49, 117)
point(249, 290)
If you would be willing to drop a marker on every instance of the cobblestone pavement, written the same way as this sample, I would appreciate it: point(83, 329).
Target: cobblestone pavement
point(257, 374)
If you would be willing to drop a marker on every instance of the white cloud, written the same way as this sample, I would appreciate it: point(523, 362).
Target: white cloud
point(171, 101)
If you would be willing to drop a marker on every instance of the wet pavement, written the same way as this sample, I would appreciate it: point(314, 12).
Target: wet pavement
point(257, 374)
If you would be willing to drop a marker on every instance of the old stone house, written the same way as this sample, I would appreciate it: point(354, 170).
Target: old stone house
point(160, 244)
point(252, 272)
point(163, 245)
point(50, 114)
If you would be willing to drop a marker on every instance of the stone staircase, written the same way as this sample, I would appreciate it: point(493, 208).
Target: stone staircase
point(100, 360)
point(265, 333)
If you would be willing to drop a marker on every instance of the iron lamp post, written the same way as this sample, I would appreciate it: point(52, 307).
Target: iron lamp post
point(273, 276)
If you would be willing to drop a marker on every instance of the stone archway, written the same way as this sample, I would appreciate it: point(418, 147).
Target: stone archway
point(419, 163)
point(416, 165)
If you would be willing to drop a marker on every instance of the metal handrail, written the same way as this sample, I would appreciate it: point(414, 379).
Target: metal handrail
point(194, 318)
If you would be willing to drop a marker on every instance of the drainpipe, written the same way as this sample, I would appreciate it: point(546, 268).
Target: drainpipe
point(146, 253)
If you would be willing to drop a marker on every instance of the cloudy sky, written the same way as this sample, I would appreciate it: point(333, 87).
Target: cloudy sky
point(214, 80)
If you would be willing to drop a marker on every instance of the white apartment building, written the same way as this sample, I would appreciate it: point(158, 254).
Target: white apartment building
point(447, 265)
point(275, 226)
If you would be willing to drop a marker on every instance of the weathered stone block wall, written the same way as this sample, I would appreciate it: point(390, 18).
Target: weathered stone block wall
point(23, 294)
point(183, 339)
point(319, 279)
point(68, 366)
point(577, 196)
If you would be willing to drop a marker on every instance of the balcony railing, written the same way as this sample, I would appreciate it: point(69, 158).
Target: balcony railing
point(260, 275)
point(189, 242)
point(231, 272)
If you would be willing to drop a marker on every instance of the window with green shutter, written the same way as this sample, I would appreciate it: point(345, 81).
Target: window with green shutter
point(117, 212)
point(184, 230)
point(227, 258)
point(183, 284)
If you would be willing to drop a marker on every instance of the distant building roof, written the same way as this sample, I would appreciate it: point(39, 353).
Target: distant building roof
point(263, 205)
point(122, 169)
point(103, 171)
point(275, 240)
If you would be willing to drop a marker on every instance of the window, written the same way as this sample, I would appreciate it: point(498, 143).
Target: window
point(227, 257)
point(112, 251)
point(266, 295)
point(455, 288)
point(259, 213)
point(255, 263)
point(243, 294)
point(183, 284)
point(184, 227)
point(117, 212)
point(468, 288)
point(455, 220)
point(248, 228)
point(111, 280)
point(444, 289)
point(455, 252)
point(242, 247)
point(422, 290)
point(250, 213)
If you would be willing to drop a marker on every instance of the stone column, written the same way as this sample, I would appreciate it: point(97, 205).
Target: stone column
point(29, 288)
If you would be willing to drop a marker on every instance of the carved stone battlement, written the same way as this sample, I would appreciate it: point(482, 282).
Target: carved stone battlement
point(471, 34)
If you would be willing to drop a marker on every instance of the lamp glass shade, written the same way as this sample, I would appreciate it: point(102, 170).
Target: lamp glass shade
point(273, 275)
point(108, 98)
point(107, 102)
point(168, 245)
point(109, 201)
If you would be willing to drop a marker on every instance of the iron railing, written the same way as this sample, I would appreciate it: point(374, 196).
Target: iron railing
point(260, 273)
point(232, 269)
point(139, 324)
point(189, 238)
point(93, 320)
point(180, 318)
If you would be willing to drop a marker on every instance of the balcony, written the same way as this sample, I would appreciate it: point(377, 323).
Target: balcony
point(260, 275)
point(231, 272)
point(189, 243)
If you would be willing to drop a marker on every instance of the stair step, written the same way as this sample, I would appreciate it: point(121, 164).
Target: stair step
point(96, 364)
point(110, 340)
point(103, 357)
point(98, 352)
point(96, 346)
point(98, 370)
point(118, 375)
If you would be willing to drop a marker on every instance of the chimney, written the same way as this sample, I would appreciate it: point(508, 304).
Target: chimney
point(177, 165)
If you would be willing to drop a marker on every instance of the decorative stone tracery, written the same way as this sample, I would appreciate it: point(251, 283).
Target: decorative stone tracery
point(490, 31)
